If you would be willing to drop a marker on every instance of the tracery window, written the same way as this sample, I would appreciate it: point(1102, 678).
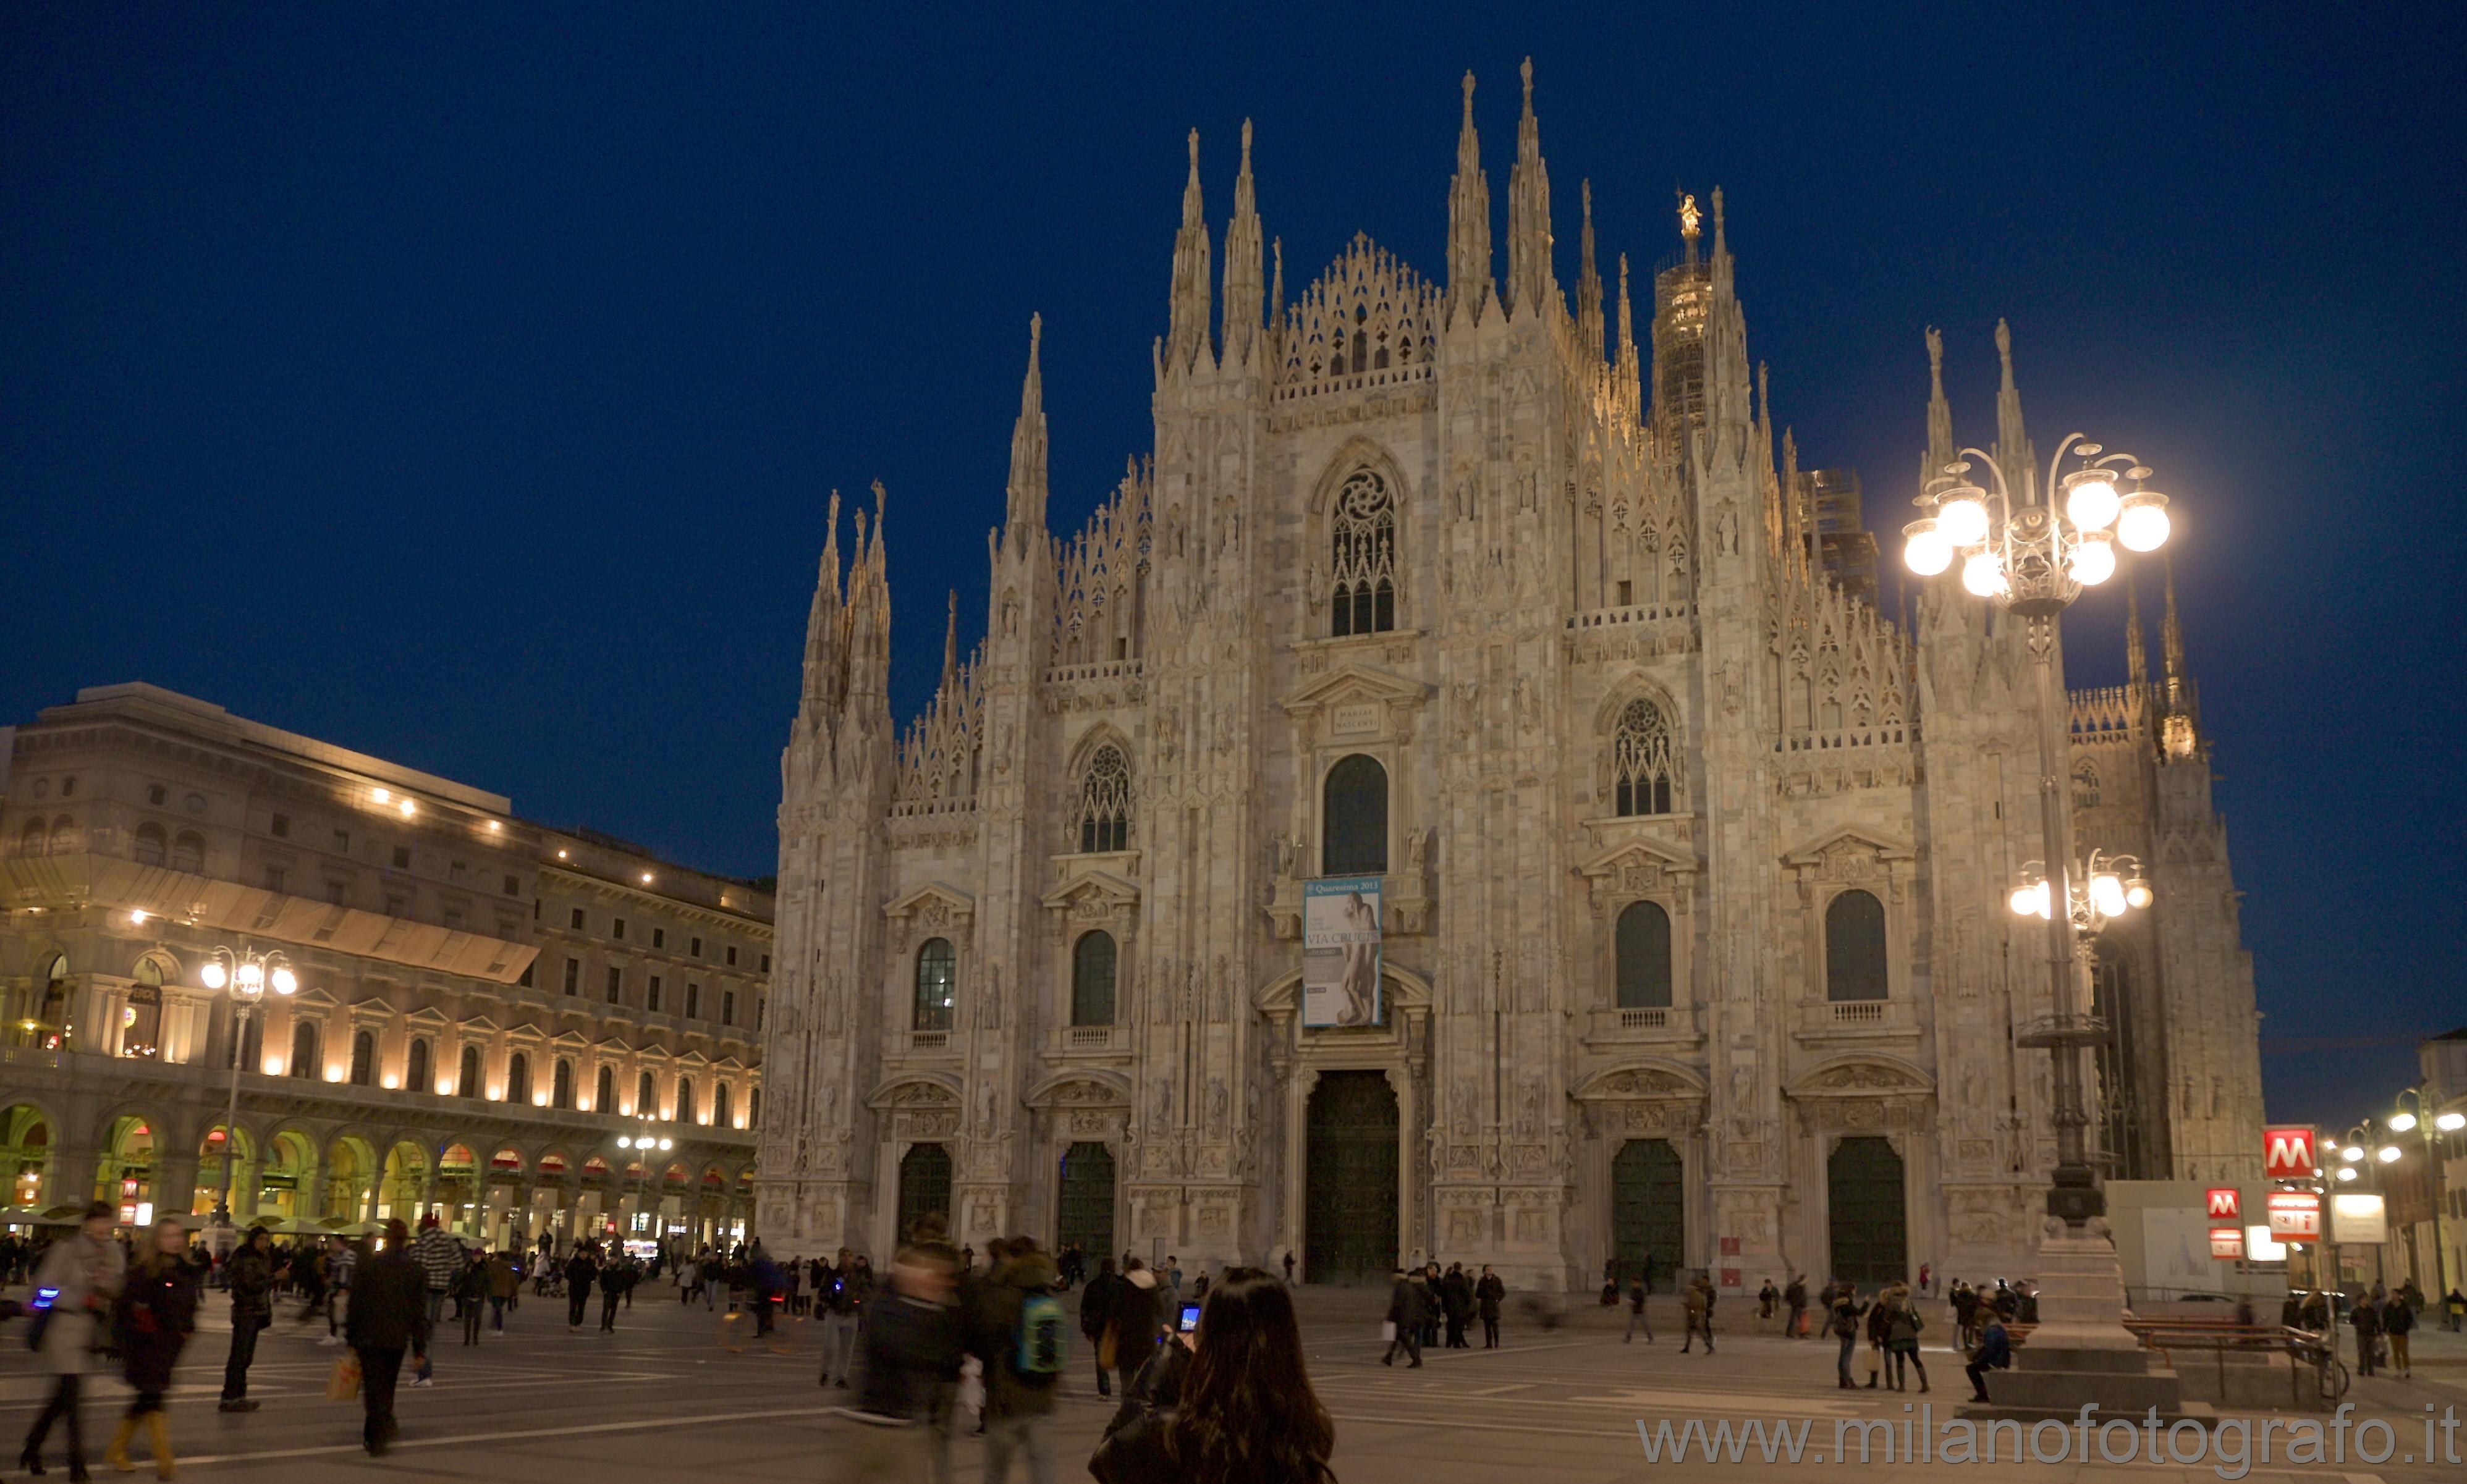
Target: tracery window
point(1361, 537)
point(1640, 759)
point(1105, 803)
point(2085, 785)
point(936, 985)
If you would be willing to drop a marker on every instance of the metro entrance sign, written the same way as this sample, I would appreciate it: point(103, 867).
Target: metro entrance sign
point(2287, 1153)
point(2296, 1217)
point(2226, 1202)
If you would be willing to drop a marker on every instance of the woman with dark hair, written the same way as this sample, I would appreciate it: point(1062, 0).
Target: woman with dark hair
point(1245, 1412)
point(75, 1287)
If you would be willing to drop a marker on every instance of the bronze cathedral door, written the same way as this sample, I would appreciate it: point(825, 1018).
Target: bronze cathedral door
point(1350, 1180)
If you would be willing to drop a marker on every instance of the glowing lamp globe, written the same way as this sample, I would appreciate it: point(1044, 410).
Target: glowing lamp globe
point(213, 976)
point(2400, 1123)
point(2094, 561)
point(2451, 1122)
point(285, 981)
point(1926, 551)
point(2143, 525)
point(251, 978)
point(2137, 894)
point(2025, 901)
point(2390, 1153)
point(2352, 1153)
point(2347, 1172)
point(1982, 574)
point(2107, 894)
point(1962, 520)
point(2092, 503)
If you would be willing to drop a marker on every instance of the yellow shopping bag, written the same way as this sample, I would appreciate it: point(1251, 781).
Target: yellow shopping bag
point(345, 1384)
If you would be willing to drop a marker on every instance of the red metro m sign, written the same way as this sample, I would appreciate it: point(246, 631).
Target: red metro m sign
point(2287, 1153)
point(2226, 1202)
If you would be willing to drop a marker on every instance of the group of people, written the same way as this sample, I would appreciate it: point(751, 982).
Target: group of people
point(1223, 1400)
point(1422, 1299)
point(2384, 1320)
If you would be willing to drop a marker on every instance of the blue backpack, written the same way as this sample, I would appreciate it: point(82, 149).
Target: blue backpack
point(1038, 1353)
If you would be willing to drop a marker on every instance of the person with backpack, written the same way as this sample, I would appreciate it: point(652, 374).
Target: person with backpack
point(1016, 1330)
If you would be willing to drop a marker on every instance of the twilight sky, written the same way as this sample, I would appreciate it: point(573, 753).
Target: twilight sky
point(464, 387)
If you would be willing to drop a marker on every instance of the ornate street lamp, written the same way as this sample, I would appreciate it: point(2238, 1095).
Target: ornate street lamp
point(2031, 559)
point(644, 1143)
point(247, 975)
point(2416, 1112)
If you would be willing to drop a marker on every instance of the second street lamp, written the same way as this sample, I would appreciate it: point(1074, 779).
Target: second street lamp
point(247, 975)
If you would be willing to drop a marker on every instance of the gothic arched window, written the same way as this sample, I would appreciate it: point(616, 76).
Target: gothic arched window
point(1362, 542)
point(604, 1099)
point(466, 1081)
point(561, 1086)
point(416, 1069)
point(518, 1078)
point(2085, 784)
point(647, 1096)
point(685, 1105)
point(937, 974)
point(719, 1108)
point(1644, 953)
point(1854, 947)
point(1091, 979)
point(1640, 767)
point(1353, 819)
point(303, 1049)
point(364, 1058)
point(1105, 803)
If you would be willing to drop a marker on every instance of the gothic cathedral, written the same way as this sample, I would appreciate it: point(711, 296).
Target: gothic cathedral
point(1692, 864)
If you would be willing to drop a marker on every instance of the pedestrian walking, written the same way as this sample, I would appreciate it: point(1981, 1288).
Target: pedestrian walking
point(471, 1295)
point(839, 1300)
point(612, 1288)
point(2398, 1322)
point(1136, 1314)
point(1880, 1318)
point(1700, 1315)
point(504, 1284)
point(248, 1276)
point(1843, 1320)
point(388, 1315)
point(341, 1264)
point(1488, 1295)
point(82, 1274)
point(1243, 1412)
point(1410, 1306)
point(1015, 1329)
point(1795, 1304)
point(1289, 1272)
point(1095, 1321)
point(1455, 1304)
point(1766, 1297)
point(1637, 1317)
point(150, 1323)
point(2454, 1304)
point(2366, 1316)
point(911, 1342)
point(582, 1271)
point(439, 1259)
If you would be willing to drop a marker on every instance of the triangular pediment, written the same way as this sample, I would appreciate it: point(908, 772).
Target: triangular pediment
point(915, 903)
point(1638, 850)
point(316, 1000)
point(610, 1045)
point(1850, 840)
point(1102, 886)
point(429, 1018)
point(477, 1026)
point(569, 1041)
point(1352, 683)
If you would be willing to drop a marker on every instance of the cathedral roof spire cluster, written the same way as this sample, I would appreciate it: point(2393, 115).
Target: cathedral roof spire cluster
point(1531, 285)
point(1187, 332)
point(1469, 285)
point(1243, 289)
point(1026, 509)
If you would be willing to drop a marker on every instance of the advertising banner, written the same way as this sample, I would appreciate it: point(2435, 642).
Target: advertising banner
point(1341, 950)
point(2287, 1152)
point(2359, 1216)
point(2296, 1217)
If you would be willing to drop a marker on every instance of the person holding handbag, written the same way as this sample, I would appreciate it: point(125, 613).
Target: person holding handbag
point(249, 1276)
point(151, 1324)
point(82, 1274)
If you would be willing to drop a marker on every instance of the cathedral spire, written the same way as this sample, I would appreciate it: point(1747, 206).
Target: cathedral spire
point(2013, 452)
point(1243, 285)
point(2181, 731)
point(2171, 636)
point(1939, 414)
point(1630, 370)
point(2136, 650)
point(1276, 284)
point(951, 643)
point(1531, 283)
point(822, 624)
point(1026, 505)
point(1589, 282)
point(869, 613)
point(1469, 287)
point(1186, 333)
point(1729, 392)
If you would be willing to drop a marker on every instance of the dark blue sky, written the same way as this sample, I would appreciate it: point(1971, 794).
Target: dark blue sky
point(466, 388)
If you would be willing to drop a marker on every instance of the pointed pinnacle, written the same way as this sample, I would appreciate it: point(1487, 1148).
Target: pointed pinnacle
point(2005, 351)
point(1525, 71)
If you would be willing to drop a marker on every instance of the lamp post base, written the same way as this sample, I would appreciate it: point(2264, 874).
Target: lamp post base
point(2081, 1353)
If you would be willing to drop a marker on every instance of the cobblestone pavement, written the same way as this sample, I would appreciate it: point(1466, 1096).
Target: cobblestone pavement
point(680, 1393)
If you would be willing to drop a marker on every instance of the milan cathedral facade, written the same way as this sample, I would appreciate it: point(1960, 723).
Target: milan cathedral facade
point(1693, 865)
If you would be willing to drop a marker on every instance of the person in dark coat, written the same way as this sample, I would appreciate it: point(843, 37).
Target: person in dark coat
point(1095, 1311)
point(1408, 1309)
point(581, 1273)
point(2366, 1316)
point(389, 1315)
point(1236, 1408)
point(1794, 1300)
point(1488, 1295)
point(1136, 1314)
point(2398, 1322)
point(1995, 1353)
point(612, 1287)
point(911, 1340)
point(1455, 1302)
point(151, 1322)
point(250, 1277)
